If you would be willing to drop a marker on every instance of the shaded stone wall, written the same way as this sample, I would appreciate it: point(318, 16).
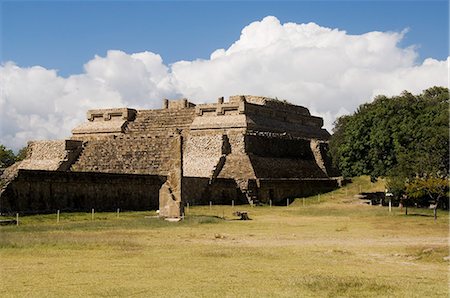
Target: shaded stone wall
point(170, 194)
point(275, 167)
point(278, 190)
point(278, 147)
point(43, 155)
point(47, 191)
point(199, 191)
point(281, 156)
point(327, 162)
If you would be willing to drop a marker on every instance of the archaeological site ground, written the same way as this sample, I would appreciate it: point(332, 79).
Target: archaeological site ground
point(335, 247)
point(88, 212)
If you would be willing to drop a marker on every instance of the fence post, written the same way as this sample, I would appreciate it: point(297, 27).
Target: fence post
point(17, 219)
point(92, 214)
point(118, 211)
point(57, 216)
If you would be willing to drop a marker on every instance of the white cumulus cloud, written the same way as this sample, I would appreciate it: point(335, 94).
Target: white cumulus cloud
point(327, 70)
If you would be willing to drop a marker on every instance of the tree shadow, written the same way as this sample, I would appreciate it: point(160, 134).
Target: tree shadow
point(419, 214)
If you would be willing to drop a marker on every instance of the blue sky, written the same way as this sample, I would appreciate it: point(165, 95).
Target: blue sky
point(62, 58)
point(65, 35)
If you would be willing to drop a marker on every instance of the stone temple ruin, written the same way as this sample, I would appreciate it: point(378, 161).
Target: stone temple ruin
point(248, 149)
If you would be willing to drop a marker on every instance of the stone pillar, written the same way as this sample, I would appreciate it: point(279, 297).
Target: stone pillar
point(315, 148)
point(170, 195)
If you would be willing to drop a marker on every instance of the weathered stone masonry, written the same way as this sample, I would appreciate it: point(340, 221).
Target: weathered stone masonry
point(246, 149)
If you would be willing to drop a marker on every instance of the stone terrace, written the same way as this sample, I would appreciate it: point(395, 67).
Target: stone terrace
point(160, 121)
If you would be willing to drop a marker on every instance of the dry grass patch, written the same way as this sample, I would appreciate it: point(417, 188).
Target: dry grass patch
point(335, 248)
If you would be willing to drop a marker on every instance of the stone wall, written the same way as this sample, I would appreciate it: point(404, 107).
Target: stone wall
point(177, 104)
point(128, 155)
point(150, 122)
point(237, 164)
point(278, 190)
point(271, 167)
point(278, 147)
point(281, 156)
point(170, 195)
point(47, 191)
point(43, 155)
point(104, 123)
point(50, 155)
point(199, 191)
point(202, 153)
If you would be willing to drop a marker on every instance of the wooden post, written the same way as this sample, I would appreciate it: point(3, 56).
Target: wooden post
point(210, 205)
point(270, 203)
point(92, 214)
point(57, 216)
point(187, 207)
point(118, 211)
point(232, 203)
point(390, 205)
point(17, 219)
point(287, 202)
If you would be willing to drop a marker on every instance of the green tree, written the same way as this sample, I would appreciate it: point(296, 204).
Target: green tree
point(405, 135)
point(22, 154)
point(7, 157)
point(433, 187)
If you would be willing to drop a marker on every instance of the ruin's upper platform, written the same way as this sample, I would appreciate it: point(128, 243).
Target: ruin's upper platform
point(252, 113)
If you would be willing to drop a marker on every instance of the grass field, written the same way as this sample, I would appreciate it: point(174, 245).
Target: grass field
point(333, 248)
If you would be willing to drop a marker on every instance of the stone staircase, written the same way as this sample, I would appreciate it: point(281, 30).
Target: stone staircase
point(159, 121)
point(144, 148)
point(127, 154)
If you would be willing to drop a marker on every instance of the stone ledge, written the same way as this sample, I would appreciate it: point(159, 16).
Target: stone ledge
point(111, 114)
point(100, 127)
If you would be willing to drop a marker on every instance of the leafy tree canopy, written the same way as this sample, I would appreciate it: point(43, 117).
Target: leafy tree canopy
point(22, 154)
point(405, 135)
point(7, 157)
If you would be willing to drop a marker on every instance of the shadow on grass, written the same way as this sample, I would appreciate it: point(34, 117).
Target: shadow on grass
point(419, 215)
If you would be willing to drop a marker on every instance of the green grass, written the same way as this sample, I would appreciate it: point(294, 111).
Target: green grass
point(333, 248)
